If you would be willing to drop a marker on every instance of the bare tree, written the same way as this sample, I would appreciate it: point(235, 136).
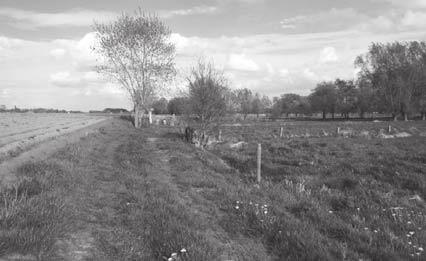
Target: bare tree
point(207, 94)
point(138, 54)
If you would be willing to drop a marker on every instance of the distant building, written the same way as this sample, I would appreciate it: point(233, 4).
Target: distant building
point(3, 107)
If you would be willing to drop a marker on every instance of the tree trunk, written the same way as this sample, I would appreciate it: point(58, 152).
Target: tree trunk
point(138, 117)
point(395, 117)
point(424, 116)
point(323, 115)
point(405, 116)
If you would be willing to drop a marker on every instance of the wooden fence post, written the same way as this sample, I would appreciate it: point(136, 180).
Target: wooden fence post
point(338, 130)
point(219, 137)
point(259, 163)
point(281, 132)
point(389, 128)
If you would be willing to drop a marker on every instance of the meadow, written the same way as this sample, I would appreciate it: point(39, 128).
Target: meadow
point(125, 194)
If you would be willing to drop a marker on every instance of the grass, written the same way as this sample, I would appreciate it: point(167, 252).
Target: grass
point(147, 195)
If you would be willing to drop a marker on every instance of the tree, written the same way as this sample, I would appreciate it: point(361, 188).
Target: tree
point(207, 94)
point(244, 100)
point(256, 105)
point(366, 98)
point(347, 97)
point(178, 106)
point(266, 104)
point(160, 106)
point(324, 98)
point(396, 72)
point(137, 53)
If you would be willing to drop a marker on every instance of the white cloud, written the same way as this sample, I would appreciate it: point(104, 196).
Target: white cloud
point(406, 3)
point(58, 53)
point(64, 79)
point(197, 10)
point(414, 19)
point(242, 62)
point(31, 19)
point(328, 55)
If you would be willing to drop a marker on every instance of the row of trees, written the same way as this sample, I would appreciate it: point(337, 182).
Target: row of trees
point(136, 52)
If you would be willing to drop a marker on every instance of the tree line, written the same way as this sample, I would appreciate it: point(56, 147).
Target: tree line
point(137, 53)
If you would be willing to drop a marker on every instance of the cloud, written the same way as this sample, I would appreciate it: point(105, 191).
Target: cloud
point(32, 19)
point(64, 79)
point(197, 10)
point(242, 62)
point(328, 54)
point(58, 53)
point(406, 3)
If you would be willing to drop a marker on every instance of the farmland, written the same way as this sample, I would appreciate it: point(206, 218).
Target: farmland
point(125, 194)
point(18, 131)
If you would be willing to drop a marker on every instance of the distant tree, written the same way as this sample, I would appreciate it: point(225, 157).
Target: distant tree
point(396, 72)
point(256, 105)
point(138, 54)
point(266, 104)
point(231, 100)
point(347, 95)
point(160, 106)
point(178, 106)
point(207, 94)
point(244, 99)
point(366, 100)
point(324, 98)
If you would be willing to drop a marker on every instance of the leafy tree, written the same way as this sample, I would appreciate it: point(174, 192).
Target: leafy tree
point(366, 100)
point(347, 97)
point(137, 53)
point(396, 71)
point(160, 106)
point(324, 98)
point(256, 105)
point(178, 106)
point(244, 100)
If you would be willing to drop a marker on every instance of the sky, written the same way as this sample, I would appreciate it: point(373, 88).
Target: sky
point(270, 46)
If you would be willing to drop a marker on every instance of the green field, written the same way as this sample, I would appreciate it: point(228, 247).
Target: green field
point(126, 194)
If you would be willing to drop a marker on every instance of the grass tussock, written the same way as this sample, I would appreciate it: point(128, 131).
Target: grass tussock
point(32, 215)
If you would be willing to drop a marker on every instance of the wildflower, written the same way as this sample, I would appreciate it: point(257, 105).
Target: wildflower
point(265, 212)
point(183, 250)
point(174, 255)
point(366, 228)
point(393, 214)
point(357, 209)
point(265, 206)
point(251, 203)
point(409, 242)
point(408, 235)
point(237, 207)
point(238, 202)
point(409, 222)
point(375, 231)
point(421, 249)
point(170, 259)
point(331, 212)
point(411, 232)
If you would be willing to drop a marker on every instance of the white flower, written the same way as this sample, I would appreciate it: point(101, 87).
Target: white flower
point(331, 212)
point(375, 231)
point(411, 232)
point(421, 249)
point(265, 212)
point(409, 222)
point(174, 255)
point(237, 207)
point(170, 259)
point(409, 243)
point(183, 250)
